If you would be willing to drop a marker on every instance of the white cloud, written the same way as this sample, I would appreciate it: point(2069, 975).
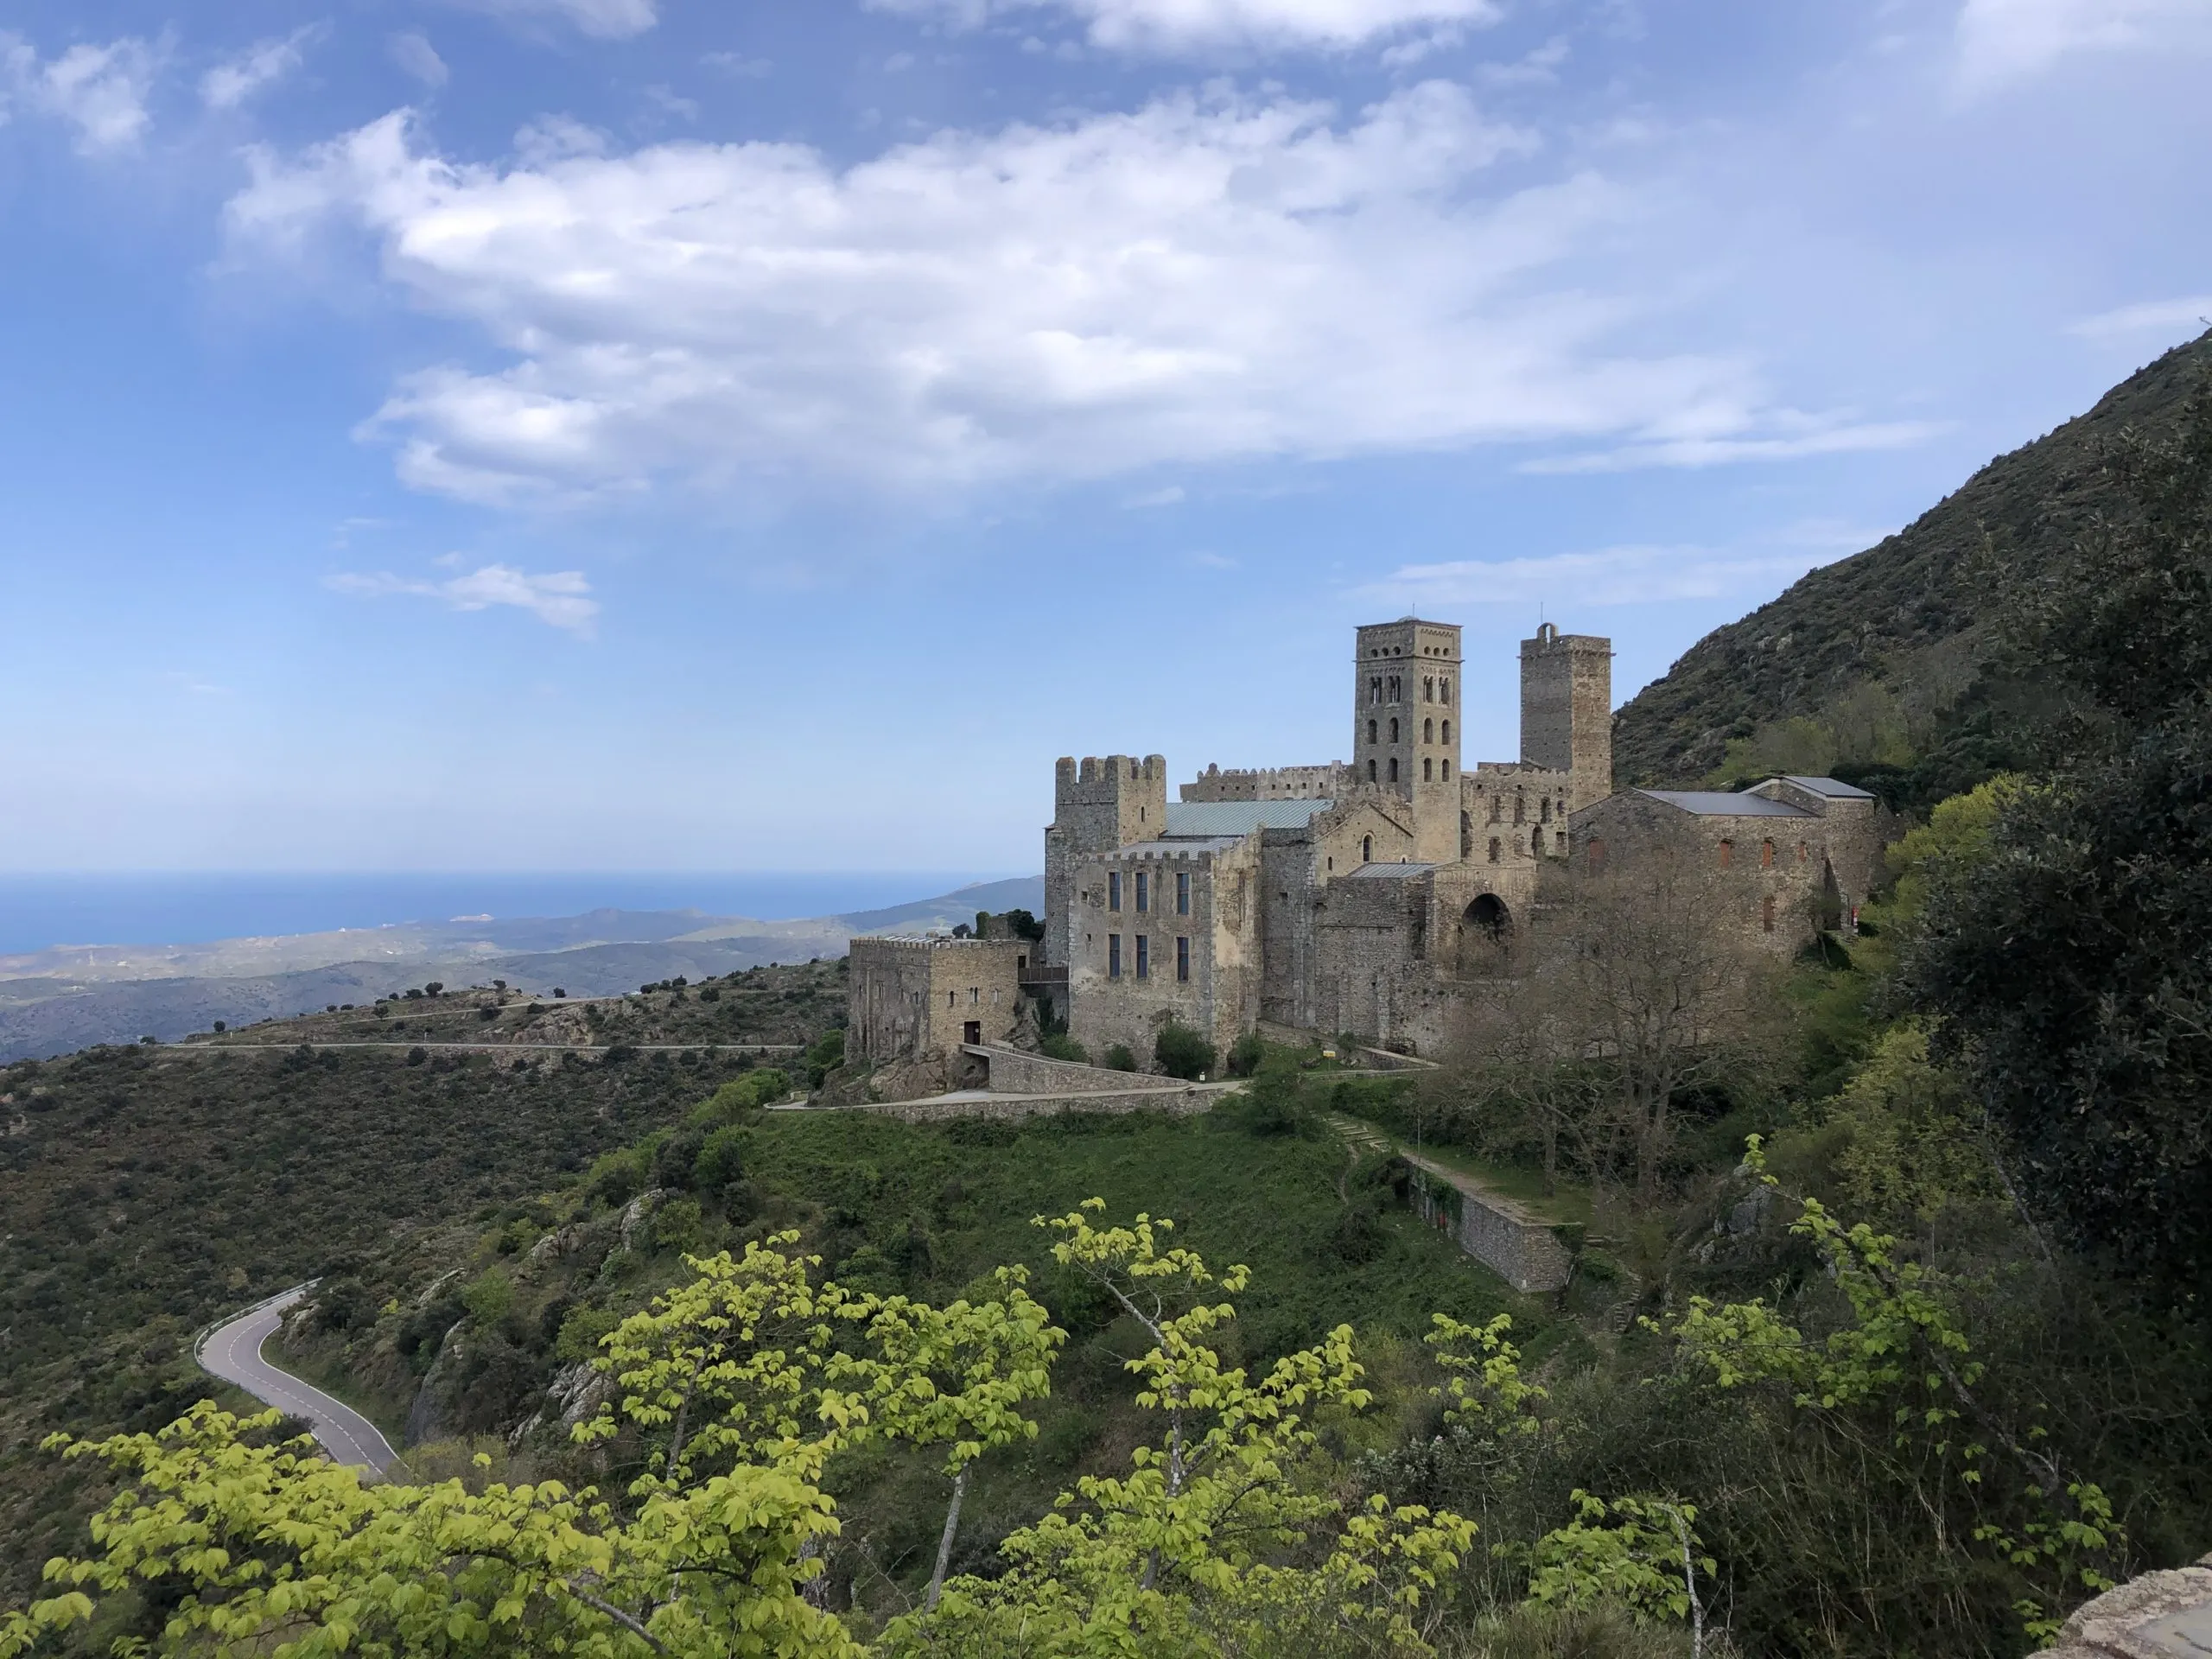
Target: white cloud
point(2005, 41)
point(230, 83)
point(99, 90)
point(606, 20)
point(558, 598)
point(1203, 280)
point(2193, 314)
point(1165, 498)
point(414, 54)
point(1175, 26)
point(1829, 436)
point(1612, 576)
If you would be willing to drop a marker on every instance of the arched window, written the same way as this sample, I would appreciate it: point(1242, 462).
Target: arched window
point(1494, 849)
point(1766, 855)
point(1394, 729)
point(1374, 688)
point(1426, 775)
point(1428, 688)
point(1727, 854)
point(1447, 731)
point(1429, 731)
point(1367, 849)
point(1371, 731)
point(1496, 808)
point(1370, 771)
point(1545, 815)
point(1537, 843)
point(1394, 768)
point(1444, 691)
point(1520, 808)
point(1447, 771)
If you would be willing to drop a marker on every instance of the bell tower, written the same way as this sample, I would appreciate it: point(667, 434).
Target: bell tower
point(1406, 727)
point(1567, 710)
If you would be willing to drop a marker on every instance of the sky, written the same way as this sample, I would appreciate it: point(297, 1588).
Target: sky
point(659, 434)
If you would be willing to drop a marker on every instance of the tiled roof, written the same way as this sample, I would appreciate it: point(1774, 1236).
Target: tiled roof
point(1390, 871)
point(1719, 803)
point(1183, 846)
point(1240, 817)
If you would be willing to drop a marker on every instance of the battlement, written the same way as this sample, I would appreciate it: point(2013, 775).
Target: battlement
point(1316, 783)
point(1098, 781)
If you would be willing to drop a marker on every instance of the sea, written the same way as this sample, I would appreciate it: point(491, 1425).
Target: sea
point(40, 910)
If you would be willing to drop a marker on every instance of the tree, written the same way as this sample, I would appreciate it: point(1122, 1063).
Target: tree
point(1190, 1553)
point(1181, 1053)
point(958, 1376)
point(2064, 957)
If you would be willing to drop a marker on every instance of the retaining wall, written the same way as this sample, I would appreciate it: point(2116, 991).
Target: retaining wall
point(1524, 1252)
point(1181, 1103)
point(1014, 1072)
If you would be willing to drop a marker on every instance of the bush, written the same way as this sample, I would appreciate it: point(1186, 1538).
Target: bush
point(417, 1054)
point(488, 1298)
point(1181, 1053)
point(1058, 1045)
point(825, 1057)
point(1245, 1055)
point(1118, 1058)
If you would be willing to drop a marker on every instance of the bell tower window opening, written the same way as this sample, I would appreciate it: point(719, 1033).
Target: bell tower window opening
point(1447, 771)
point(1394, 768)
point(1429, 731)
point(1394, 729)
point(1371, 731)
point(1444, 691)
point(1447, 731)
point(1428, 688)
point(1370, 771)
point(1427, 770)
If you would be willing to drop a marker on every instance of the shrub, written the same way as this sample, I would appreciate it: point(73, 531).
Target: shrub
point(1245, 1055)
point(1058, 1045)
point(487, 1299)
point(1181, 1053)
point(1118, 1058)
point(417, 1054)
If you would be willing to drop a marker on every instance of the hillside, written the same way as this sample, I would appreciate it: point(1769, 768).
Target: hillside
point(1879, 659)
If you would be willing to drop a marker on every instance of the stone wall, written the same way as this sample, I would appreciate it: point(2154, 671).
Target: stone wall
point(1567, 710)
point(1321, 783)
point(919, 999)
point(1098, 804)
point(1180, 1102)
point(1524, 1252)
point(1766, 878)
point(1014, 1072)
point(1220, 998)
point(2157, 1615)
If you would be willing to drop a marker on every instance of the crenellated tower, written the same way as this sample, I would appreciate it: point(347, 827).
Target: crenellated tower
point(1098, 805)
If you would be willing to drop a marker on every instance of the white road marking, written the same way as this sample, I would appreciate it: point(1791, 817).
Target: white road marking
point(346, 1434)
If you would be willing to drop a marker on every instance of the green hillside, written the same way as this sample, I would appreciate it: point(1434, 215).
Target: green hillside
point(1881, 659)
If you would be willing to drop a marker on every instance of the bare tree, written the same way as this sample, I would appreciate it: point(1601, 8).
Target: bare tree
point(1647, 985)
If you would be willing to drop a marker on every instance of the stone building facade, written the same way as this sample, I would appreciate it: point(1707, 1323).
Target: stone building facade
point(915, 1002)
point(1372, 896)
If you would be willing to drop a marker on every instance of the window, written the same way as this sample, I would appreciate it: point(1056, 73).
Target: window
point(1766, 912)
point(1520, 808)
point(975, 996)
point(1447, 731)
point(1427, 770)
point(1560, 838)
point(1447, 769)
point(1182, 892)
point(1727, 854)
point(1444, 691)
point(1113, 956)
point(1394, 768)
point(1367, 849)
point(1393, 731)
point(1370, 771)
point(1113, 889)
point(1182, 957)
point(1144, 890)
point(1545, 816)
point(1766, 855)
point(1429, 731)
point(1144, 956)
point(1494, 849)
point(1374, 688)
point(1496, 808)
point(1371, 731)
point(1537, 843)
point(951, 998)
point(1397, 689)
point(1428, 689)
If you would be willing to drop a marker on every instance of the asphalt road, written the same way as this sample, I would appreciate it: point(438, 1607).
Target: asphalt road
point(232, 1351)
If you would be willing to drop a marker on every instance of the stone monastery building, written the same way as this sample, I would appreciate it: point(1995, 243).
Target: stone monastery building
point(1367, 896)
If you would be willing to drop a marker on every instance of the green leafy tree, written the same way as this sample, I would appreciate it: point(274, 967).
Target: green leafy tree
point(1189, 1552)
point(1181, 1053)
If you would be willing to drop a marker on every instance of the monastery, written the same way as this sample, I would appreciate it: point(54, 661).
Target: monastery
point(1367, 897)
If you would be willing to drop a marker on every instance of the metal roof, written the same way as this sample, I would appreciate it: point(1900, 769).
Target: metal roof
point(1240, 817)
point(1719, 803)
point(1832, 788)
point(1391, 872)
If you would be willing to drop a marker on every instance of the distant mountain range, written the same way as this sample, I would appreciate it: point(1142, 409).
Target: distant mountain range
point(53, 1001)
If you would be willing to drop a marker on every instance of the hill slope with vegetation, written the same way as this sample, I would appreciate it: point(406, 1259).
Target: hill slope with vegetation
point(1881, 662)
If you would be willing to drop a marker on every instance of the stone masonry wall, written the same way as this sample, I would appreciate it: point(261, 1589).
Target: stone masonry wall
point(1014, 1072)
point(1525, 1253)
point(1180, 1102)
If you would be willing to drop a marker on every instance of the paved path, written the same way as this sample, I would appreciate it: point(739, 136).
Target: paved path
point(232, 1351)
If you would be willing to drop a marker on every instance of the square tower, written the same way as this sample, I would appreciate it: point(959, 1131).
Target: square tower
point(1097, 806)
point(1567, 710)
point(1406, 687)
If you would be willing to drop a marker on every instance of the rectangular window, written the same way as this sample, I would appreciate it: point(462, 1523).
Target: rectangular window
point(1182, 958)
point(975, 996)
point(1144, 956)
point(1113, 956)
point(1113, 889)
point(1144, 890)
point(1182, 892)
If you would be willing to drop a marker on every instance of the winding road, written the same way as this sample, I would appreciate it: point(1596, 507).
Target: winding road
point(232, 1351)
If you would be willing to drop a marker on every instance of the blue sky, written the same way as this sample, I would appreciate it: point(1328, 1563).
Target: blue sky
point(648, 434)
